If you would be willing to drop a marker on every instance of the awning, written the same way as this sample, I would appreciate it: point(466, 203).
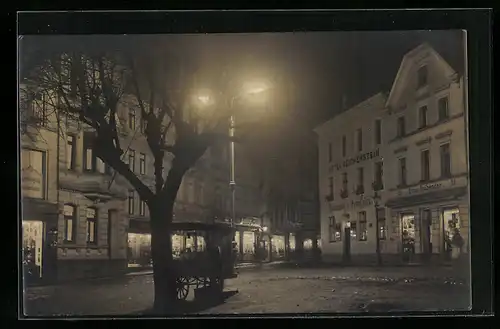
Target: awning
point(427, 198)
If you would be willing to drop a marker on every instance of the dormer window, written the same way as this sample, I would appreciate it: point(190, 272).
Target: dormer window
point(422, 77)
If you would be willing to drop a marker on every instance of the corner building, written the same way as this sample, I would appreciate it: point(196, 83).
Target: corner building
point(427, 160)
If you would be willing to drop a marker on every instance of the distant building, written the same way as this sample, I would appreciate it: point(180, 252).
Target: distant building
point(412, 150)
point(82, 219)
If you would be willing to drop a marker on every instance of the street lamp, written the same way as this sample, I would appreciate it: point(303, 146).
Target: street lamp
point(376, 199)
point(253, 90)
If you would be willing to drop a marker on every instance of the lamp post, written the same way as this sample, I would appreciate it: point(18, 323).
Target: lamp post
point(232, 123)
point(376, 198)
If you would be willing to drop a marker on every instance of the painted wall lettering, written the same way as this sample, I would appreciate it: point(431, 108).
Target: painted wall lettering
point(358, 159)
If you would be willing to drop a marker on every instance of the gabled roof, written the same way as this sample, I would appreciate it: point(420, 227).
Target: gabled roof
point(408, 61)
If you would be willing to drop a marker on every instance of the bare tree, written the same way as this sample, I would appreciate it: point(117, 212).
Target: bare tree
point(89, 82)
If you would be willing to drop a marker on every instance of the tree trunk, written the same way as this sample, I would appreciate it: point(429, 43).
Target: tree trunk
point(164, 275)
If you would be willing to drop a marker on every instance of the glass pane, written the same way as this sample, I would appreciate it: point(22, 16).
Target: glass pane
point(69, 152)
point(69, 230)
point(91, 231)
point(88, 159)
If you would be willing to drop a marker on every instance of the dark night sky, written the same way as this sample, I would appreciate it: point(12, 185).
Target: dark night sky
point(322, 66)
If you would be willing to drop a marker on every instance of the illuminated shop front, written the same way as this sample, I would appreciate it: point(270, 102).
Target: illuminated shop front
point(139, 249)
point(278, 246)
point(437, 229)
point(33, 248)
point(292, 242)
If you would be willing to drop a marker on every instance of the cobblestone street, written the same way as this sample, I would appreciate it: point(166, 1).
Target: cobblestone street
point(271, 291)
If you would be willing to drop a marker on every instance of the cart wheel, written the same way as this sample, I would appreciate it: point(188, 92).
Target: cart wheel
point(182, 288)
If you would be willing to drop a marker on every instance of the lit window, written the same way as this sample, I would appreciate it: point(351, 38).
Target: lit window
point(142, 208)
point(131, 197)
point(131, 160)
point(69, 223)
point(363, 232)
point(91, 226)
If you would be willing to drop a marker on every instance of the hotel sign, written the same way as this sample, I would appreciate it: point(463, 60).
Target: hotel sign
point(352, 204)
point(358, 159)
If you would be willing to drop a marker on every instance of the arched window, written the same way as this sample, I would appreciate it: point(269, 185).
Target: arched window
point(69, 223)
point(91, 226)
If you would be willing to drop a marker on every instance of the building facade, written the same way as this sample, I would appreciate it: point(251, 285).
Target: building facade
point(351, 169)
point(427, 188)
point(396, 169)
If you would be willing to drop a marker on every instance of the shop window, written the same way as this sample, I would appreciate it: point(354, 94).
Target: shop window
point(382, 229)
point(33, 174)
point(452, 229)
point(363, 231)
point(91, 225)
point(354, 231)
point(408, 232)
point(249, 243)
point(382, 225)
point(69, 234)
point(139, 249)
point(292, 242)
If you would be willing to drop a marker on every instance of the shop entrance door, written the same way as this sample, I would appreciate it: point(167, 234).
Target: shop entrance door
point(453, 240)
point(32, 249)
point(425, 233)
point(408, 236)
point(347, 242)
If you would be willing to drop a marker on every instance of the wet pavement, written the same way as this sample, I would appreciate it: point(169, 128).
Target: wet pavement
point(271, 291)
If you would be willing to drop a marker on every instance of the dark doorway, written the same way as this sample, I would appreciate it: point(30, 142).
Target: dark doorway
point(425, 236)
point(347, 243)
point(111, 221)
